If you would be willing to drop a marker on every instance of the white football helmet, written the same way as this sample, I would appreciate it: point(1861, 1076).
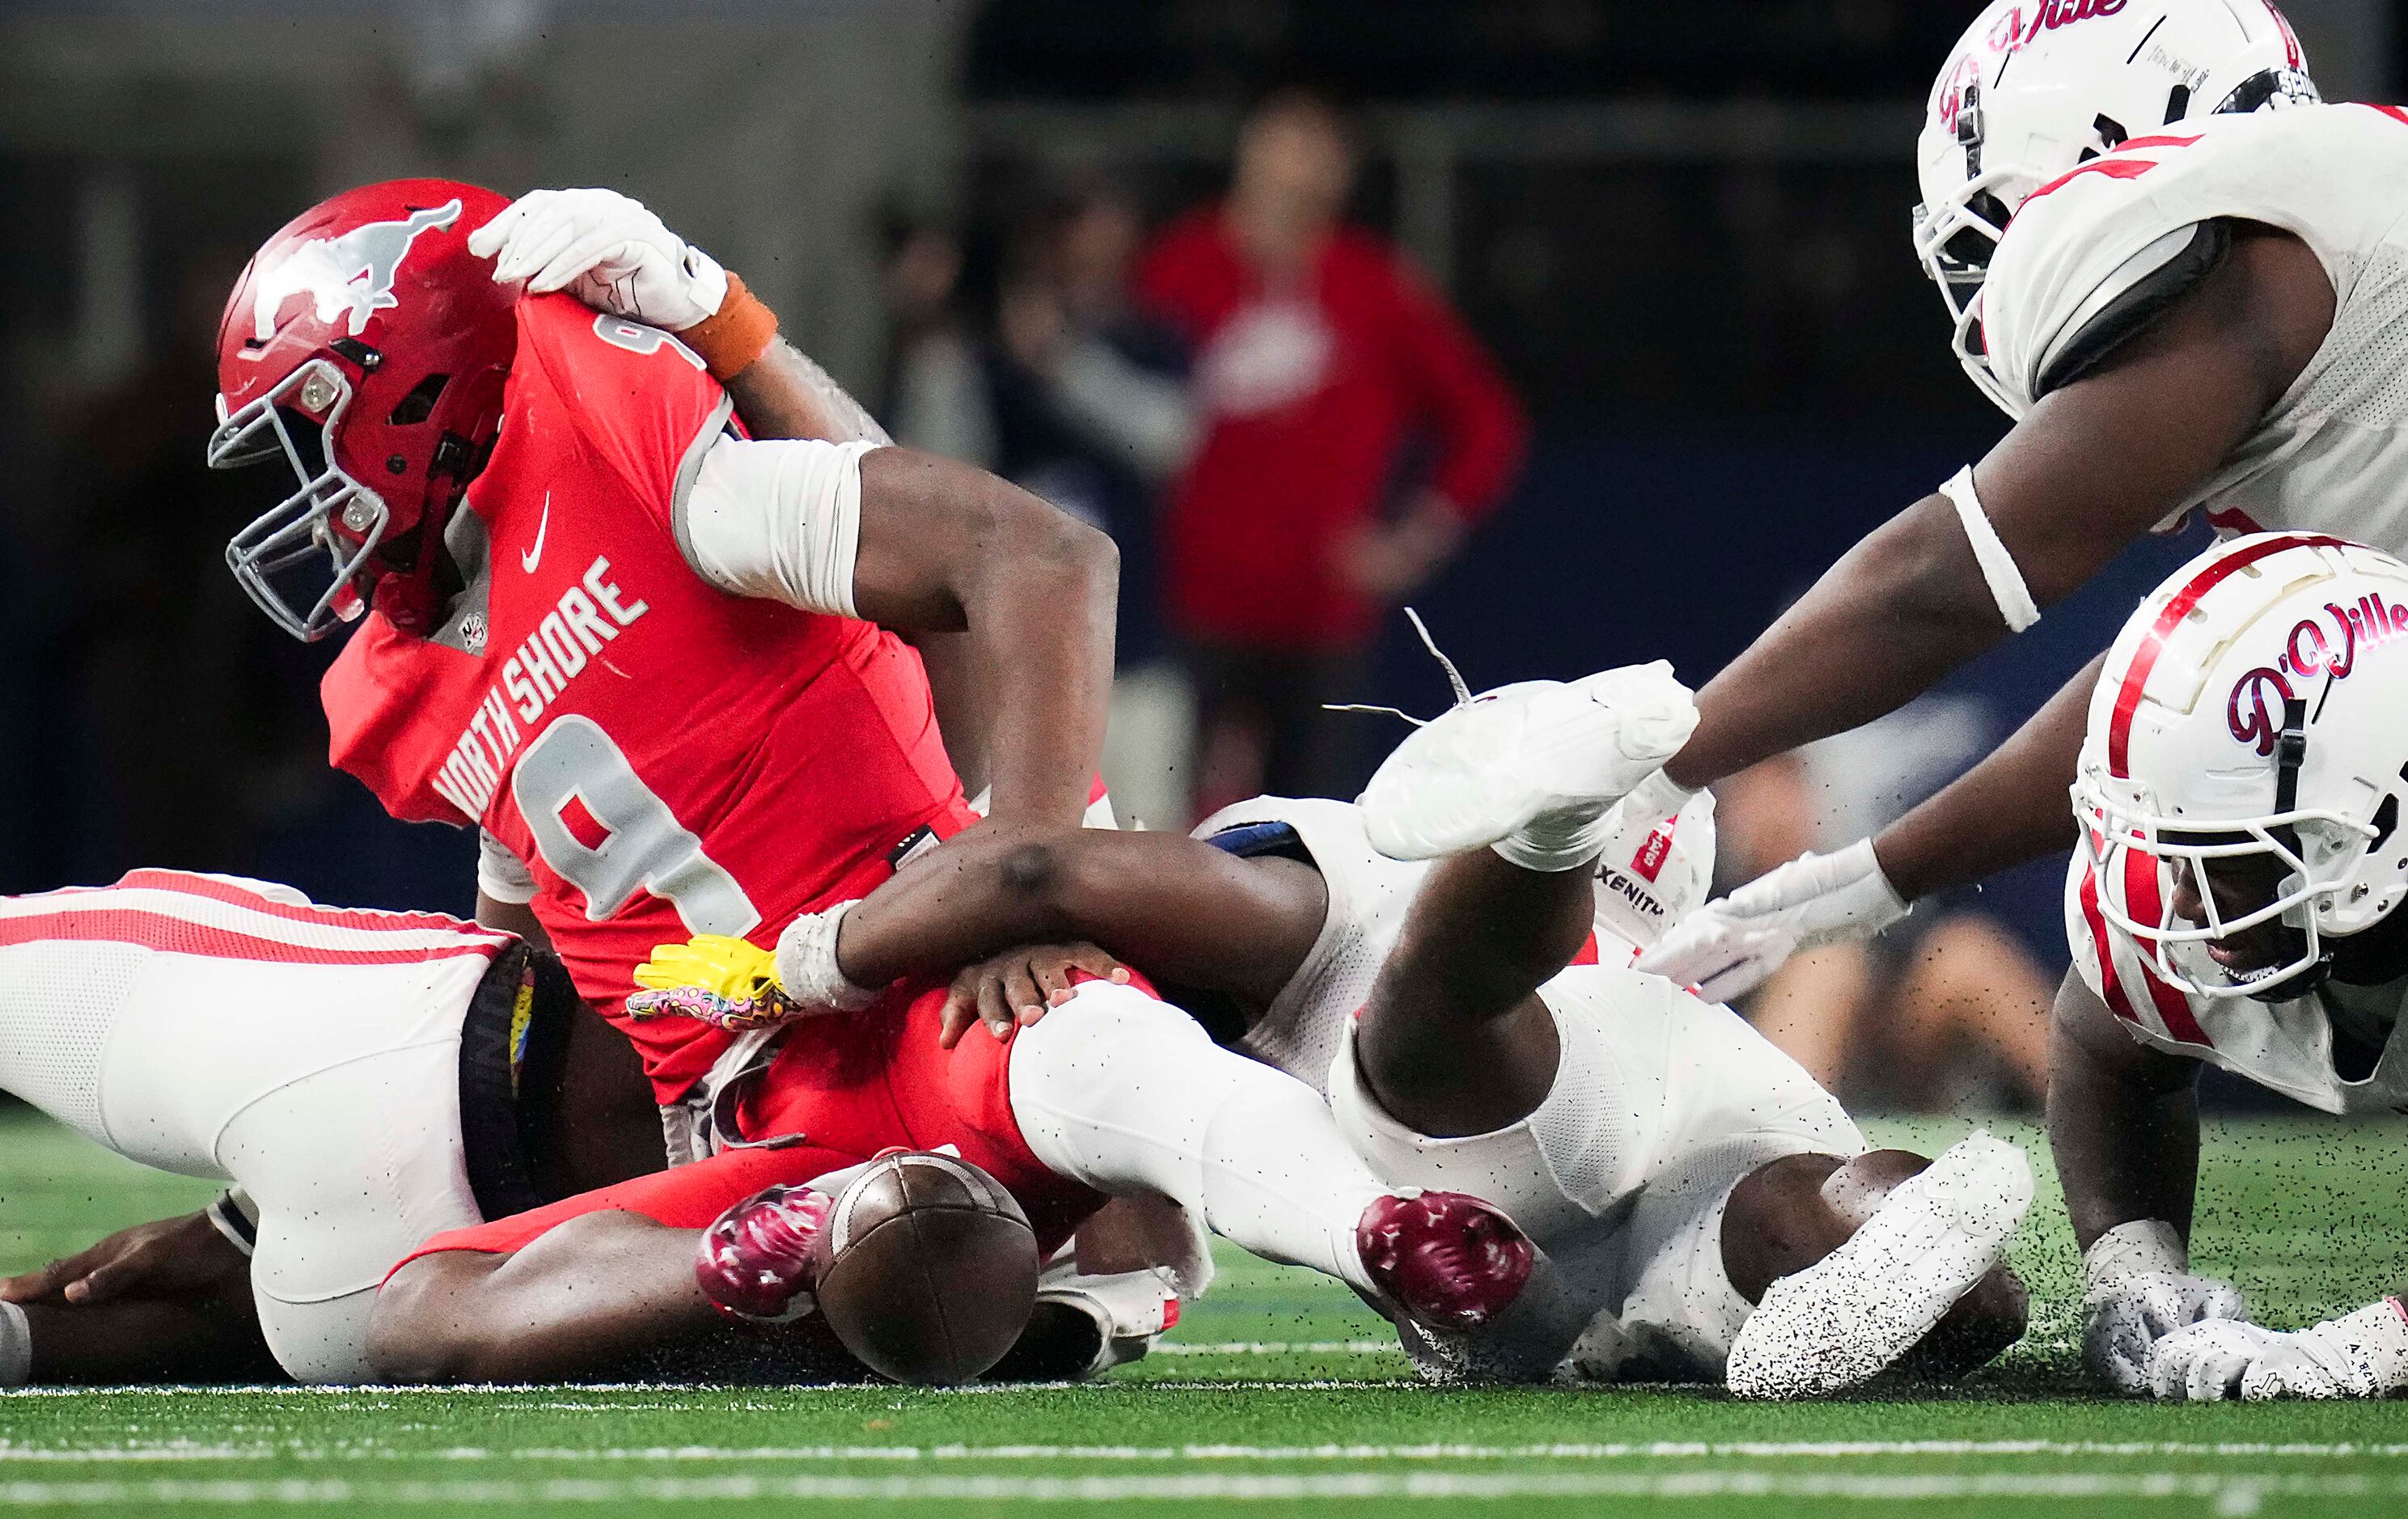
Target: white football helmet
point(2252, 724)
point(2036, 87)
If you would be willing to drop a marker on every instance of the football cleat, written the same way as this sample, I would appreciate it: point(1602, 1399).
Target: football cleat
point(1084, 1326)
point(760, 1260)
point(1446, 1260)
point(1853, 1313)
point(1533, 767)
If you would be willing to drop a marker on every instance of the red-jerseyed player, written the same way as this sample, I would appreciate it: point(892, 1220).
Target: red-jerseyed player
point(372, 1079)
point(649, 657)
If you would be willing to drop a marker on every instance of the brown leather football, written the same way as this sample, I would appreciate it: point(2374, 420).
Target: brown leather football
point(929, 1268)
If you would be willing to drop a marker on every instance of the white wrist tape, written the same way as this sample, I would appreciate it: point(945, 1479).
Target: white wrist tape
point(807, 968)
point(705, 281)
point(2006, 582)
point(2127, 1250)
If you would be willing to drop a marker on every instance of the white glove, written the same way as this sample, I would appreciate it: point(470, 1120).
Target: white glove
point(1658, 863)
point(607, 251)
point(2360, 1354)
point(1730, 948)
point(2140, 1291)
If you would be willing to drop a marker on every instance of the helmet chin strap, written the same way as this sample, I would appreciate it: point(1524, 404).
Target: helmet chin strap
point(2290, 751)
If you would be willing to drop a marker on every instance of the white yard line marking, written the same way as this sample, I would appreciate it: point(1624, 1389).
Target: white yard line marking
point(1280, 1347)
point(2232, 1493)
point(1636, 1451)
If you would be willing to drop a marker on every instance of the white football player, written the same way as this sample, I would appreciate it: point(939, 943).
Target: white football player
point(1706, 1210)
point(2234, 903)
point(2187, 280)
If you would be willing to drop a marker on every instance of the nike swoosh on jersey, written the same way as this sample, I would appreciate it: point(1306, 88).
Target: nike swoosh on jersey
point(529, 558)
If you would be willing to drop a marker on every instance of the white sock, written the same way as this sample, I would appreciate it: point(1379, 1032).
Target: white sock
point(16, 1346)
point(1126, 1094)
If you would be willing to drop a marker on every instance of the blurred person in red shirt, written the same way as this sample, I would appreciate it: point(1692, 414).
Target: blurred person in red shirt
point(1319, 355)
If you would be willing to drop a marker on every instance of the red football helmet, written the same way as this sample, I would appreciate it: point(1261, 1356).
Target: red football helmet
point(364, 343)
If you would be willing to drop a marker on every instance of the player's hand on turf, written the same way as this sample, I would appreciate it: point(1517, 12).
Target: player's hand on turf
point(1014, 989)
point(177, 1259)
point(605, 249)
point(2360, 1354)
point(1731, 947)
point(2127, 1321)
point(728, 983)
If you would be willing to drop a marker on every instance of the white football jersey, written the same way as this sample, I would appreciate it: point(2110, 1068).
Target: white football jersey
point(2333, 455)
point(2285, 1047)
point(1667, 871)
point(1368, 893)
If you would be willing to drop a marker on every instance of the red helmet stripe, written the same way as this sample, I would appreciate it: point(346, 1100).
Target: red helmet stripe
point(2144, 659)
point(2142, 901)
point(2110, 990)
point(2290, 39)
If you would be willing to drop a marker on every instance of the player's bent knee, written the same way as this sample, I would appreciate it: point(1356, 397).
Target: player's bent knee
point(1115, 1088)
point(1094, 1045)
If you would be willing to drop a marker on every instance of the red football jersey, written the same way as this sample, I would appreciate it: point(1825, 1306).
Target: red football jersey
point(840, 1091)
point(667, 758)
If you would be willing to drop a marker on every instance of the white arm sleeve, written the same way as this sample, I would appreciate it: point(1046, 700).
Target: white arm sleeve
point(501, 874)
point(778, 519)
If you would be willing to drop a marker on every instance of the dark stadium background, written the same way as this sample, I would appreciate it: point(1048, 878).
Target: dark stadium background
point(1682, 225)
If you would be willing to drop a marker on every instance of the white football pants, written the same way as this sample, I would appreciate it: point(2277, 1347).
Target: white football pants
point(309, 1055)
point(1128, 1094)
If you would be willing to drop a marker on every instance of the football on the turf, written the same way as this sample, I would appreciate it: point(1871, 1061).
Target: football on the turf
point(931, 1268)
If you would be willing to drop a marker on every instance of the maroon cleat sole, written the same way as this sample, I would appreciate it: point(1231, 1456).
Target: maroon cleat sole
point(1449, 1260)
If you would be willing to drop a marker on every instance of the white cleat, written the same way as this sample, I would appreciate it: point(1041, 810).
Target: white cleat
point(1546, 756)
point(1849, 1316)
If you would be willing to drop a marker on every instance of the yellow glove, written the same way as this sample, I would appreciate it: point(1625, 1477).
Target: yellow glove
point(726, 981)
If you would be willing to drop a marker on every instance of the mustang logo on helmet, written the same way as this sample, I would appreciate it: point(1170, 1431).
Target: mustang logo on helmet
point(354, 271)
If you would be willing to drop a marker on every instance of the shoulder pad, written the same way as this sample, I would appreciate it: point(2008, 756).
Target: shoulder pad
point(2132, 311)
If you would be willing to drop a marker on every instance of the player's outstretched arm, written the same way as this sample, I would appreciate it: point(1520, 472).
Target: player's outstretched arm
point(2008, 808)
point(2089, 469)
point(1176, 906)
point(587, 1296)
point(2003, 812)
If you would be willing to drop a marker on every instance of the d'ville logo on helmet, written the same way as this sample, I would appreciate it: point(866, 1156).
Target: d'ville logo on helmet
point(2313, 650)
point(351, 273)
point(2010, 33)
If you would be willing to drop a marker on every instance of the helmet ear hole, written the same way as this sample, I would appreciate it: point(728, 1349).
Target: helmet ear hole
point(419, 404)
point(2386, 822)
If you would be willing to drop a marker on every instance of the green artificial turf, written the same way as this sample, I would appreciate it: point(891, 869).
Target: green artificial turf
point(1279, 1395)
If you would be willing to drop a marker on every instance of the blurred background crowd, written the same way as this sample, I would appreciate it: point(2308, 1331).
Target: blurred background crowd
point(1589, 328)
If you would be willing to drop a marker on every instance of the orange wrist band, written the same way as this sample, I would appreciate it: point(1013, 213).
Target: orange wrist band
point(735, 335)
